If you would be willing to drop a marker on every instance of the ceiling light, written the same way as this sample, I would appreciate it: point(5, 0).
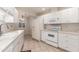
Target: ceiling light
point(43, 9)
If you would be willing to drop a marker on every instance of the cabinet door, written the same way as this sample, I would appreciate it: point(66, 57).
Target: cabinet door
point(21, 42)
point(11, 14)
point(69, 15)
point(69, 42)
point(18, 43)
point(50, 18)
point(9, 18)
point(73, 43)
point(44, 35)
point(9, 48)
point(63, 41)
point(36, 29)
point(2, 15)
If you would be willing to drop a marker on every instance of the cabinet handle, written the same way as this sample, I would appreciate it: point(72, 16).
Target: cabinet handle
point(51, 35)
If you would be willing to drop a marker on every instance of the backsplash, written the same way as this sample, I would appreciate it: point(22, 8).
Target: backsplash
point(52, 26)
point(68, 27)
point(8, 27)
point(73, 27)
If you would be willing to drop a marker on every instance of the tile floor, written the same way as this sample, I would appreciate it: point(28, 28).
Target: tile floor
point(38, 46)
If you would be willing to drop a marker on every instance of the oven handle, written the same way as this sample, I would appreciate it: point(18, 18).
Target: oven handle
point(51, 35)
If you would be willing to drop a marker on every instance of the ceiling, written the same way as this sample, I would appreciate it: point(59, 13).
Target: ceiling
point(31, 12)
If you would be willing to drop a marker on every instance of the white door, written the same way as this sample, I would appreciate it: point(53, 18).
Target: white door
point(35, 29)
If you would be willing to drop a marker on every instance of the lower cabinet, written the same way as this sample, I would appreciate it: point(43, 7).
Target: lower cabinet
point(66, 40)
point(16, 45)
point(69, 42)
point(9, 49)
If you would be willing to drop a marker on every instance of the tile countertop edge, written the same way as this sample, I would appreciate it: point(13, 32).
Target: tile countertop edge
point(3, 46)
point(70, 32)
point(67, 32)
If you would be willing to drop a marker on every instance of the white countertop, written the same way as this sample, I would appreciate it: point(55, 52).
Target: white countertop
point(8, 38)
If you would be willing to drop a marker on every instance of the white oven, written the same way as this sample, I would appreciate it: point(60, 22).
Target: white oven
point(52, 36)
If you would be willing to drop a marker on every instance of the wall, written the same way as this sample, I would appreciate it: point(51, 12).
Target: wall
point(62, 8)
point(30, 28)
point(27, 25)
point(27, 28)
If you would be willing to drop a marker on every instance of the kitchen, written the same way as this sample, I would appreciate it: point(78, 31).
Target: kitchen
point(39, 29)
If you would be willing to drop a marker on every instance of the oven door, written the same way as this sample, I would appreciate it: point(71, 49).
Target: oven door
point(52, 36)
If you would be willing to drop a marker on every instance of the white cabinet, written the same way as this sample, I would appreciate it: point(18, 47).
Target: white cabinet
point(69, 41)
point(16, 45)
point(63, 42)
point(51, 18)
point(11, 10)
point(9, 14)
point(44, 35)
point(2, 15)
point(9, 18)
point(9, 49)
point(69, 15)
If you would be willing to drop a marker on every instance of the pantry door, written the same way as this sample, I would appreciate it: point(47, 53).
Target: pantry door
point(36, 29)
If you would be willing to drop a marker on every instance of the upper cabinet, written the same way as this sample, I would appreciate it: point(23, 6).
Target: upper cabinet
point(9, 18)
point(10, 10)
point(51, 18)
point(8, 14)
point(69, 15)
